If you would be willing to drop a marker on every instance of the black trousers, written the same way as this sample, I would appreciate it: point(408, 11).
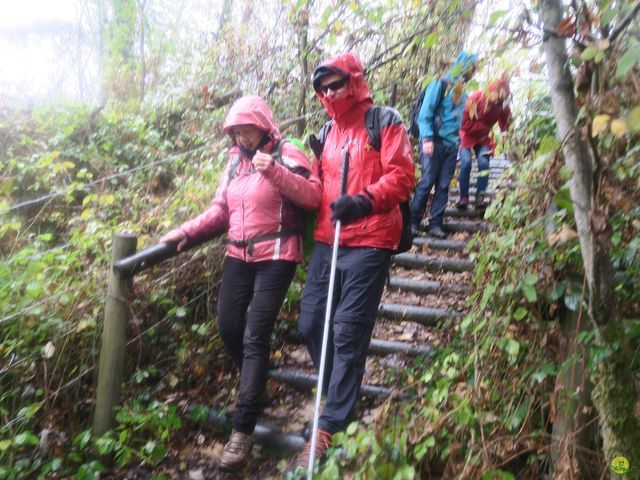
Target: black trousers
point(359, 283)
point(260, 287)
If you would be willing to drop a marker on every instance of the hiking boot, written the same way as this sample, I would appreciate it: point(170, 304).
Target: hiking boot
point(437, 232)
point(463, 203)
point(323, 442)
point(482, 202)
point(235, 452)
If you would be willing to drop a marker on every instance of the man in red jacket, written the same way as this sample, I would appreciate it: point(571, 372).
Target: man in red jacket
point(482, 111)
point(378, 181)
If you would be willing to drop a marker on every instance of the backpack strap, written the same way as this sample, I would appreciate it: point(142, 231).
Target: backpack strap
point(233, 167)
point(317, 143)
point(378, 118)
point(444, 85)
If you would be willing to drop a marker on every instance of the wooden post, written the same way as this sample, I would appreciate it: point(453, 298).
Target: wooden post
point(114, 337)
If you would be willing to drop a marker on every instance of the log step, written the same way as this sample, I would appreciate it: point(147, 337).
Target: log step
point(304, 381)
point(417, 286)
point(453, 227)
point(412, 260)
point(411, 313)
point(264, 434)
point(380, 347)
point(438, 244)
point(468, 213)
point(425, 287)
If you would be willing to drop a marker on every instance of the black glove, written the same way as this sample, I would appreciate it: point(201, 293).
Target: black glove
point(349, 208)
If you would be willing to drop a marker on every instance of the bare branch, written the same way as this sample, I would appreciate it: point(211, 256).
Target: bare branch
point(625, 23)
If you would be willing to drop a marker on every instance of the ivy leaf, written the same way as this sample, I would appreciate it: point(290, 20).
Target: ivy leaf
point(520, 313)
point(199, 414)
point(633, 120)
point(431, 39)
point(628, 61)
point(26, 438)
point(530, 279)
point(497, 15)
point(529, 293)
point(589, 53)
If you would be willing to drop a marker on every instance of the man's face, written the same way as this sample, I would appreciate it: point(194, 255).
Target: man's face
point(334, 86)
point(469, 73)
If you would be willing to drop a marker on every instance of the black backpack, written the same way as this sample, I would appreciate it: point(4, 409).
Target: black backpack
point(414, 130)
point(375, 119)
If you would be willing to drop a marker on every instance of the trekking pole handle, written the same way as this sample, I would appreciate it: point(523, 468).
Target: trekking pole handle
point(345, 172)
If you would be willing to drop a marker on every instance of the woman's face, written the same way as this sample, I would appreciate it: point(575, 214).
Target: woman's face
point(247, 136)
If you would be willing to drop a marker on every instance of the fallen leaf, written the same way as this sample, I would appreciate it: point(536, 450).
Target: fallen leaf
point(600, 123)
point(618, 128)
point(566, 27)
point(48, 350)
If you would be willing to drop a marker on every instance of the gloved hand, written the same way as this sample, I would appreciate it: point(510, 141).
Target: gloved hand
point(349, 208)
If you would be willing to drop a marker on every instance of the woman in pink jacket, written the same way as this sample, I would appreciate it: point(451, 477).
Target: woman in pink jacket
point(259, 203)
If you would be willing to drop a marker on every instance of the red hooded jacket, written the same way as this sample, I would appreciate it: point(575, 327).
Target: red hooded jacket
point(252, 204)
point(475, 131)
point(386, 177)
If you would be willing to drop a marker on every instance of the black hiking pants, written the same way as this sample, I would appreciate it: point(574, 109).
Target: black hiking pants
point(260, 287)
point(359, 283)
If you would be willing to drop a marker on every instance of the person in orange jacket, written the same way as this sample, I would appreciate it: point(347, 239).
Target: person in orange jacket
point(482, 111)
point(378, 181)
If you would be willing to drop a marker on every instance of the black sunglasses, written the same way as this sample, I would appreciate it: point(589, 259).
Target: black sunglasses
point(335, 85)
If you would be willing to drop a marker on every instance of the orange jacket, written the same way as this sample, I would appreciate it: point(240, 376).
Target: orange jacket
point(386, 177)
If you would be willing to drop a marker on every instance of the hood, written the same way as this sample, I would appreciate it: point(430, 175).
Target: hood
point(252, 110)
point(346, 64)
point(463, 63)
point(500, 85)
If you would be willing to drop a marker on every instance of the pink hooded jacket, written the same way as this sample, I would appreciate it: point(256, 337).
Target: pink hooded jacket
point(254, 204)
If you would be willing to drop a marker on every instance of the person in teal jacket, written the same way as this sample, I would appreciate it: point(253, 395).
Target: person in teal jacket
point(439, 122)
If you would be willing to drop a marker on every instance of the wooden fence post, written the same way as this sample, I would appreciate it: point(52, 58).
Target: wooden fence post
point(114, 338)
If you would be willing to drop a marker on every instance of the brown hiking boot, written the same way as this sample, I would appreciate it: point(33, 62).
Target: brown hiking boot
point(236, 451)
point(323, 442)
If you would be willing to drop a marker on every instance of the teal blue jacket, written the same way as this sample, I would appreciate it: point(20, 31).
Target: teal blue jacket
point(446, 118)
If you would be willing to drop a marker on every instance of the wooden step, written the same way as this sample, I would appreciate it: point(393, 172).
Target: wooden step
point(304, 381)
point(437, 264)
point(379, 346)
point(440, 244)
point(411, 313)
point(264, 434)
point(468, 213)
point(417, 286)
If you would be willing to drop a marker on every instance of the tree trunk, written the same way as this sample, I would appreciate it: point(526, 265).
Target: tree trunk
point(574, 427)
point(227, 9)
point(143, 68)
point(614, 392)
point(303, 55)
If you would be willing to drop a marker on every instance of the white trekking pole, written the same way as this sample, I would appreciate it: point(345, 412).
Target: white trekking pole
point(327, 321)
